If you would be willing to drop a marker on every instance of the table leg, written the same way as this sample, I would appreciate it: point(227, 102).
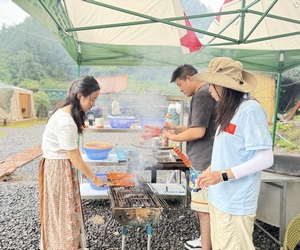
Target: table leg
point(124, 232)
point(187, 179)
point(153, 176)
point(282, 213)
point(149, 233)
point(282, 222)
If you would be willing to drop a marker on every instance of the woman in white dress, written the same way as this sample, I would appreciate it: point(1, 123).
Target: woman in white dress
point(60, 202)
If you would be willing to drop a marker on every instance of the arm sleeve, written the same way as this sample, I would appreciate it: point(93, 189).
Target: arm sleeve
point(262, 160)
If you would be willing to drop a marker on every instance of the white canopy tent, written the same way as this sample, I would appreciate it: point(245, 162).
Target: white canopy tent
point(263, 34)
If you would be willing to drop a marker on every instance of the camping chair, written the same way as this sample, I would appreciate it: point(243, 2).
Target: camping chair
point(292, 234)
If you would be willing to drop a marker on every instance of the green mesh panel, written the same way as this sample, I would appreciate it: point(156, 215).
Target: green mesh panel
point(55, 94)
point(6, 93)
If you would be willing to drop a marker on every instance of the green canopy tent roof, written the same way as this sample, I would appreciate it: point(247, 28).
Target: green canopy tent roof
point(128, 33)
point(263, 34)
point(108, 32)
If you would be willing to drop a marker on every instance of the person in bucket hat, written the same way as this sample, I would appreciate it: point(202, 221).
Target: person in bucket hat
point(228, 73)
point(242, 149)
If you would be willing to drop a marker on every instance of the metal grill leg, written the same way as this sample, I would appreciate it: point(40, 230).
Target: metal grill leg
point(105, 229)
point(149, 232)
point(124, 232)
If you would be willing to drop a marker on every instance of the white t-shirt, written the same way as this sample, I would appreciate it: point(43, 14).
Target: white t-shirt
point(176, 106)
point(59, 136)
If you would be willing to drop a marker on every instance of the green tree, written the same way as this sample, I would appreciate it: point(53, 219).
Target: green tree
point(29, 84)
point(41, 104)
point(29, 50)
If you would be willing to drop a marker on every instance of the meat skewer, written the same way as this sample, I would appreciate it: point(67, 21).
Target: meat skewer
point(150, 127)
point(185, 160)
point(150, 132)
point(192, 184)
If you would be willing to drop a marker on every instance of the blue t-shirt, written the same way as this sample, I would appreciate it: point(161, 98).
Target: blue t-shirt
point(246, 133)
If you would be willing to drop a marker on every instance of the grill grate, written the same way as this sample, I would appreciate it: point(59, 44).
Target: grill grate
point(139, 205)
point(139, 196)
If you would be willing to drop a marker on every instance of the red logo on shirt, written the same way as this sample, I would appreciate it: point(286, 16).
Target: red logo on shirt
point(230, 128)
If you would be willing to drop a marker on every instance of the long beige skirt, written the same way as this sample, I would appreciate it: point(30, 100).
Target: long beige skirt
point(60, 206)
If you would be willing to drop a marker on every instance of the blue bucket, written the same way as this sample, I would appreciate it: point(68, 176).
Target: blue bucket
point(123, 152)
point(97, 150)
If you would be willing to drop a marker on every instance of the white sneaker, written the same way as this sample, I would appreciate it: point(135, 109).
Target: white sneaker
point(195, 244)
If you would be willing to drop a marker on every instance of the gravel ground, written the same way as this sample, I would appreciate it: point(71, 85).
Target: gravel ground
point(19, 214)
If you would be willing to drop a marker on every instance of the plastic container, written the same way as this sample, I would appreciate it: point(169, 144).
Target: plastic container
point(156, 122)
point(121, 121)
point(97, 150)
point(192, 181)
point(123, 152)
point(103, 176)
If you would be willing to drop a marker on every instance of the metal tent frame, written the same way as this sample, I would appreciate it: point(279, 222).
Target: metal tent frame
point(243, 45)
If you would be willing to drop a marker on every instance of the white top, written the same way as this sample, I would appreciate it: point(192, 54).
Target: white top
point(59, 136)
point(176, 106)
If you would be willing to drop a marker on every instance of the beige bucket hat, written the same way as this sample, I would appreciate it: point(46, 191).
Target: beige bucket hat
point(228, 73)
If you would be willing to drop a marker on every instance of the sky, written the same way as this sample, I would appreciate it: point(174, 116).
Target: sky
point(214, 5)
point(11, 14)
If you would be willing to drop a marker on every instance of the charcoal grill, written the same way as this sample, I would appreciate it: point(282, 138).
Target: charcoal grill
point(140, 205)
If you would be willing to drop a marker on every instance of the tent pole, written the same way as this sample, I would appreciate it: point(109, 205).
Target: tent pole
point(280, 69)
point(79, 59)
point(78, 70)
point(80, 137)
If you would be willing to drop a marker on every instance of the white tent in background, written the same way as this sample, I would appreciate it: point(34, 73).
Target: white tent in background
point(16, 104)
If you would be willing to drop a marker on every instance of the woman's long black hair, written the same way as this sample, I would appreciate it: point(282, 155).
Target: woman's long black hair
point(228, 105)
point(85, 85)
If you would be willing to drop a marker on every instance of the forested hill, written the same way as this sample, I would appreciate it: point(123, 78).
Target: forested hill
point(32, 58)
point(29, 51)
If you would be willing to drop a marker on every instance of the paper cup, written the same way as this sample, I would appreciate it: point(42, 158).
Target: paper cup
point(99, 121)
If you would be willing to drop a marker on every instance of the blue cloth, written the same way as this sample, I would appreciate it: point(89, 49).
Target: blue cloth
point(175, 116)
point(247, 132)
